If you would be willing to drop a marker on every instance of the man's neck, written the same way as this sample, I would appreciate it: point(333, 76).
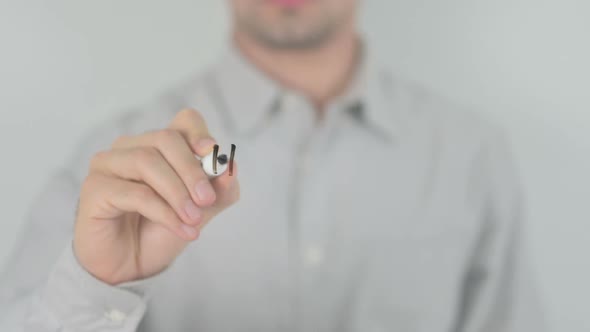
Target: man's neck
point(321, 73)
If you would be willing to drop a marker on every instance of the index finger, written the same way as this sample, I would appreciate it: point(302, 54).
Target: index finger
point(192, 126)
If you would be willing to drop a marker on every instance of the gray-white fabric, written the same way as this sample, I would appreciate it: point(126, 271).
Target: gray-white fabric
point(399, 212)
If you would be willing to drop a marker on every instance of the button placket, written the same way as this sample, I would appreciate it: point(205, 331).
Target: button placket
point(300, 130)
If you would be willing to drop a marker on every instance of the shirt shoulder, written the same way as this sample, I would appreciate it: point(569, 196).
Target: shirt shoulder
point(424, 111)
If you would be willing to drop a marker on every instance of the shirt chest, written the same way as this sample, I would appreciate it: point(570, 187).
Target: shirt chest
point(339, 226)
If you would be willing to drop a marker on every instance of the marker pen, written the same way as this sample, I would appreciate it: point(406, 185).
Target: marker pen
point(215, 164)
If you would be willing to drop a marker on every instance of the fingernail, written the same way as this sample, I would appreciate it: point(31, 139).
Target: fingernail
point(190, 231)
point(205, 144)
point(192, 211)
point(205, 192)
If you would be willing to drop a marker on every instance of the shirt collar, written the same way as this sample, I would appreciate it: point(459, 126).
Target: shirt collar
point(368, 98)
point(250, 96)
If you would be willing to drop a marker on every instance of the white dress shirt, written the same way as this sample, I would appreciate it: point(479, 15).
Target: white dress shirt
point(398, 212)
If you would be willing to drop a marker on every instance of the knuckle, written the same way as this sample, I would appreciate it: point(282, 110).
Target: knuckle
point(120, 141)
point(169, 216)
point(91, 183)
point(178, 202)
point(143, 194)
point(186, 112)
point(189, 114)
point(98, 158)
point(167, 136)
point(146, 156)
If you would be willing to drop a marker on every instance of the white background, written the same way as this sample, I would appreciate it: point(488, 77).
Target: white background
point(67, 64)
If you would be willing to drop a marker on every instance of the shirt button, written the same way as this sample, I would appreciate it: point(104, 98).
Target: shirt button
point(115, 315)
point(313, 256)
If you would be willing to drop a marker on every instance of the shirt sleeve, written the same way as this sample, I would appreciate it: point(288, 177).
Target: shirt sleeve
point(499, 292)
point(44, 288)
point(80, 302)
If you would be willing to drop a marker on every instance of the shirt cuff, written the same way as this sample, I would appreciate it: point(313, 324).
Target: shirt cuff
point(82, 302)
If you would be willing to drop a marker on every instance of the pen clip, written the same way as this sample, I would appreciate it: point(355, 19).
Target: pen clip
point(214, 160)
point(231, 159)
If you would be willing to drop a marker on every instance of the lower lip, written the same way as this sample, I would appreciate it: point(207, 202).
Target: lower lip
point(289, 3)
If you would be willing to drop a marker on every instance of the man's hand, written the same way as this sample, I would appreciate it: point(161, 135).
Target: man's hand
point(145, 199)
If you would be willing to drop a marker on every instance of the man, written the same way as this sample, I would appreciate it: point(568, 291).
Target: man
point(365, 203)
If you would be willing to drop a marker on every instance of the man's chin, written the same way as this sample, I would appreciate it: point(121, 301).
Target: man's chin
point(295, 33)
point(288, 4)
point(292, 41)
